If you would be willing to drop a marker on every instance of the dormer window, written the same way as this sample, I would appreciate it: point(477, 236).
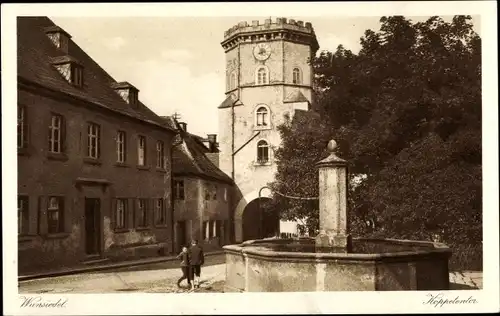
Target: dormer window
point(59, 37)
point(70, 69)
point(128, 92)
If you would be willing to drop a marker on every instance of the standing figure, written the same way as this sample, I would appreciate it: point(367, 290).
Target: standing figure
point(197, 259)
point(185, 267)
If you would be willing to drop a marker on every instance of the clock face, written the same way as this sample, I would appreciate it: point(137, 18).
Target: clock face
point(262, 51)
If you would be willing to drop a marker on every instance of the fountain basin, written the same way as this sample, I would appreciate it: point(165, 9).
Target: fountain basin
point(296, 265)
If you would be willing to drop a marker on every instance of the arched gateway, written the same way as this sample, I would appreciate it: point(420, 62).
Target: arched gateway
point(252, 221)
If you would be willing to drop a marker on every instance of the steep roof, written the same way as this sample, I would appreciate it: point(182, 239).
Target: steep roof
point(36, 53)
point(229, 101)
point(189, 156)
point(295, 96)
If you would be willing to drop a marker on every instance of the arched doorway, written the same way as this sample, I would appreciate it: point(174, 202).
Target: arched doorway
point(259, 222)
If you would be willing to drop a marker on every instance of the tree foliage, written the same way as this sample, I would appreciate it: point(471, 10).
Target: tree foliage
point(406, 112)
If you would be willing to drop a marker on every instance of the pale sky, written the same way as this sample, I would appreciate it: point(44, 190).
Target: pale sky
point(177, 63)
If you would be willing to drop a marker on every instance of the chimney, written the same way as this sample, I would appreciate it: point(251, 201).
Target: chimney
point(212, 138)
point(212, 141)
point(183, 126)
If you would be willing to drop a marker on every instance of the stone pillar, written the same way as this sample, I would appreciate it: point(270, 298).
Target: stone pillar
point(333, 226)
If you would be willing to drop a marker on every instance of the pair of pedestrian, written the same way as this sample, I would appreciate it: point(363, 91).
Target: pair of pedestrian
point(191, 261)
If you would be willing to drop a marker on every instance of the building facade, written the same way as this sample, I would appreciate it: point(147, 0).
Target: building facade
point(268, 78)
point(202, 192)
point(94, 163)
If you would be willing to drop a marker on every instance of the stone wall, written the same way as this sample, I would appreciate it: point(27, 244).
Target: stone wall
point(250, 268)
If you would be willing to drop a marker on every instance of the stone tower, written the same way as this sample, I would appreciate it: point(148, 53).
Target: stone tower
point(268, 77)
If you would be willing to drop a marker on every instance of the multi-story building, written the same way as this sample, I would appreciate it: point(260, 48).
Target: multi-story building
point(94, 166)
point(202, 192)
point(268, 77)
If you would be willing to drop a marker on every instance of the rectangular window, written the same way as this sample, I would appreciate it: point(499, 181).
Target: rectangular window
point(205, 230)
point(160, 155)
point(141, 151)
point(22, 215)
point(94, 140)
point(215, 192)
point(142, 213)
point(207, 193)
point(213, 229)
point(76, 75)
point(55, 213)
point(179, 189)
point(121, 214)
point(225, 194)
point(121, 147)
point(22, 127)
point(133, 100)
point(55, 133)
point(160, 211)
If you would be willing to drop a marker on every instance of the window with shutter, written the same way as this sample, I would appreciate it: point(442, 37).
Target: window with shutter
point(141, 151)
point(55, 214)
point(142, 214)
point(121, 214)
point(94, 141)
point(23, 215)
point(22, 127)
point(121, 144)
point(56, 134)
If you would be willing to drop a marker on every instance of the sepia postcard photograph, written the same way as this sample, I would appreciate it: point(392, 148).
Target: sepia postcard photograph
point(250, 158)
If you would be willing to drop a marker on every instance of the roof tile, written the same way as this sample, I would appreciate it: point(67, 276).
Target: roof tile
point(36, 53)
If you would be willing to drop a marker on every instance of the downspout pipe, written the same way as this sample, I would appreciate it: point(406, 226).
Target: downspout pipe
point(231, 219)
point(172, 198)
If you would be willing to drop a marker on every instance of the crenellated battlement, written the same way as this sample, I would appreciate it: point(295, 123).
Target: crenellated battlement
point(279, 28)
point(268, 24)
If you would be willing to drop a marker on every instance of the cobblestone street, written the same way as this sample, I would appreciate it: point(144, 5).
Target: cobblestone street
point(162, 278)
point(154, 278)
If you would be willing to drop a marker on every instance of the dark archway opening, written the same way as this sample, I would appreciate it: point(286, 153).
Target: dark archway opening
point(258, 221)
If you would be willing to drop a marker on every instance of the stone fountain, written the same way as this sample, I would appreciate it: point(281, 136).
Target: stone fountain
point(334, 261)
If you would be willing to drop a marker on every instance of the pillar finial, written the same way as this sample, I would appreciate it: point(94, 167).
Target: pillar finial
point(332, 160)
point(332, 146)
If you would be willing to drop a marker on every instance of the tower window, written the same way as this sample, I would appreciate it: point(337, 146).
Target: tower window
point(262, 117)
point(262, 75)
point(232, 81)
point(296, 76)
point(262, 152)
